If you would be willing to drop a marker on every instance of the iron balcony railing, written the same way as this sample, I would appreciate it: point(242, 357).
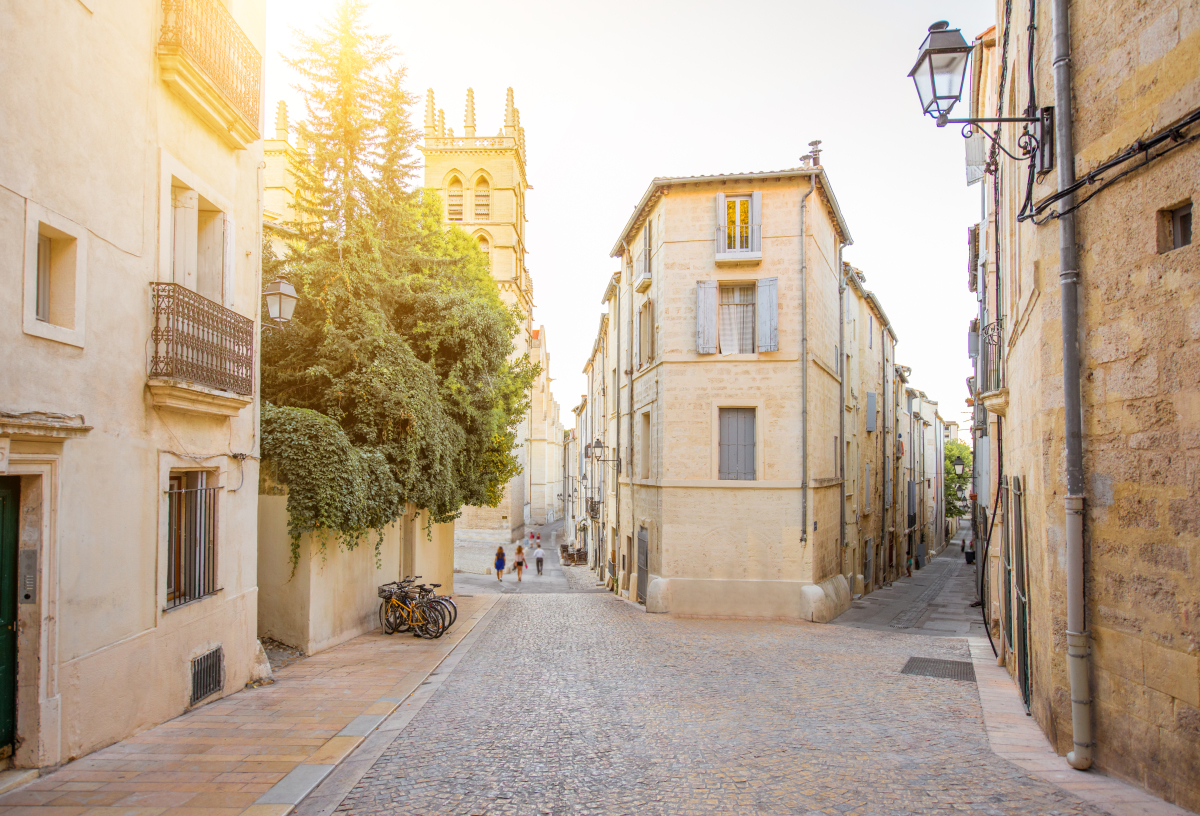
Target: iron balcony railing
point(200, 341)
point(593, 508)
point(735, 238)
point(208, 34)
point(990, 373)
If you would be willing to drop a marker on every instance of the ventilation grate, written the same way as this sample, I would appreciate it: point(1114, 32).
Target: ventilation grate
point(947, 669)
point(206, 674)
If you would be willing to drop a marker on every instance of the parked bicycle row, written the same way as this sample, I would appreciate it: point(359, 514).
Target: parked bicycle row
point(407, 606)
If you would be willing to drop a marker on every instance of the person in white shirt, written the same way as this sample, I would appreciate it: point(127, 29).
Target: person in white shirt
point(538, 555)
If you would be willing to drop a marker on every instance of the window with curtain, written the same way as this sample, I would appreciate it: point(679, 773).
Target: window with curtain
point(737, 319)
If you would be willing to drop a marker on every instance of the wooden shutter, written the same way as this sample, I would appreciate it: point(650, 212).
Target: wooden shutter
point(736, 444)
point(706, 317)
point(870, 410)
point(768, 314)
point(867, 489)
point(637, 339)
point(652, 332)
point(887, 481)
point(756, 221)
point(721, 236)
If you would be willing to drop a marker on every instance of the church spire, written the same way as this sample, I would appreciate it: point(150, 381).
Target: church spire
point(441, 123)
point(430, 120)
point(281, 121)
point(469, 122)
point(510, 122)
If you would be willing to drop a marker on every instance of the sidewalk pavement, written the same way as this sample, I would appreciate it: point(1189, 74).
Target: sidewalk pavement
point(257, 752)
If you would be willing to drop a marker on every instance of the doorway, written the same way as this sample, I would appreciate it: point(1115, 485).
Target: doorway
point(10, 500)
point(643, 563)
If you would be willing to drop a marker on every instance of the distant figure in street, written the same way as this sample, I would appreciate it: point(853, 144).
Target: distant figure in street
point(909, 566)
point(969, 550)
point(538, 555)
point(519, 561)
point(500, 564)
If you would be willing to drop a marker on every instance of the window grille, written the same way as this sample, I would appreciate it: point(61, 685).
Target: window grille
point(737, 319)
point(191, 538)
point(206, 674)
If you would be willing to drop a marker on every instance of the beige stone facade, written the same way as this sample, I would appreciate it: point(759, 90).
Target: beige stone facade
point(725, 430)
point(546, 464)
point(129, 217)
point(1136, 72)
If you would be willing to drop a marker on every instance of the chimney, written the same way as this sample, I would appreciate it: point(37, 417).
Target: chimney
point(816, 152)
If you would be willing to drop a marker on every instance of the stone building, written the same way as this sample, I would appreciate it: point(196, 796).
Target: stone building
point(1134, 83)
point(483, 183)
point(130, 220)
point(545, 444)
point(720, 465)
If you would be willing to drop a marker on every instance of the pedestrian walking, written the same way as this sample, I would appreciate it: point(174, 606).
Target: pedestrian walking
point(969, 550)
point(500, 564)
point(538, 555)
point(908, 567)
point(519, 561)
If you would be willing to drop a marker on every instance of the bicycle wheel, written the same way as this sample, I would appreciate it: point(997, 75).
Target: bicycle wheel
point(433, 624)
point(383, 617)
point(451, 610)
point(398, 616)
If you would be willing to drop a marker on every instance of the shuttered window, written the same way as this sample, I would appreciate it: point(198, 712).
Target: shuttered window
point(736, 444)
point(739, 223)
point(706, 317)
point(768, 314)
point(454, 201)
point(867, 490)
point(887, 481)
point(871, 411)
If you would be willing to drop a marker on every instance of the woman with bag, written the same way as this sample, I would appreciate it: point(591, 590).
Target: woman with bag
point(500, 564)
point(519, 561)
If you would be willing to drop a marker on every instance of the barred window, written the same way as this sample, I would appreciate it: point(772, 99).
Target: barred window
point(191, 537)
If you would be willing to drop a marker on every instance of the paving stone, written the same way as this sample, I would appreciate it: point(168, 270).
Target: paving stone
point(583, 704)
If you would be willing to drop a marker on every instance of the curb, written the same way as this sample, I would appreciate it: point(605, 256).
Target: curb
point(327, 792)
point(288, 793)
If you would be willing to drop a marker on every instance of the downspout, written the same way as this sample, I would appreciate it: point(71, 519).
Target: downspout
point(840, 362)
point(1068, 275)
point(617, 447)
point(883, 469)
point(812, 185)
point(629, 380)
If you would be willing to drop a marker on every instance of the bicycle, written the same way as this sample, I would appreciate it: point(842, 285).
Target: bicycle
point(419, 609)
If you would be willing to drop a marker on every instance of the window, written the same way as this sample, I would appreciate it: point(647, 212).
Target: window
point(197, 243)
point(867, 490)
point(837, 362)
point(737, 319)
point(1175, 228)
point(454, 200)
point(483, 200)
point(191, 536)
point(739, 227)
point(55, 270)
point(485, 248)
point(645, 330)
point(644, 448)
point(737, 444)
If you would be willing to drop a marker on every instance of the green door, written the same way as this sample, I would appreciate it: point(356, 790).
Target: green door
point(10, 498)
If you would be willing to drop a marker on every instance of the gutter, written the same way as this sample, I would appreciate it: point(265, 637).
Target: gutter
point(1068, 275)
point(812, 185)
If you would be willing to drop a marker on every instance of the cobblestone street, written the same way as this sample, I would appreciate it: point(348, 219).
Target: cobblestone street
point(582, 703)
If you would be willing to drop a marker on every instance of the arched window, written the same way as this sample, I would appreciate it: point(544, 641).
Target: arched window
point(483, 200)
point(454, 202)
point(486, 248)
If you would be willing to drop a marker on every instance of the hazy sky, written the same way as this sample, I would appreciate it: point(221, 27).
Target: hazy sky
point(612, 94)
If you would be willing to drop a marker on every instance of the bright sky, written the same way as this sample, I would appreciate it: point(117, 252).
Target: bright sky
point(612, 94)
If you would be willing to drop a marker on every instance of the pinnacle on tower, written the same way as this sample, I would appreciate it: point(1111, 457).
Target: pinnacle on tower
point(510, 122)
point(430, 119)
point(281, 121)
point(441, 123)
point(469, 122)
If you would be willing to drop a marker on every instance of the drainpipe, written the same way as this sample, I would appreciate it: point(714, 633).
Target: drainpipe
point(812, 185)
point(1068, 275)
point(617, 465)
point(840, 362)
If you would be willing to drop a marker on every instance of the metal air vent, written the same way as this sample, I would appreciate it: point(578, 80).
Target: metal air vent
point(945, 669)
point(207, 671)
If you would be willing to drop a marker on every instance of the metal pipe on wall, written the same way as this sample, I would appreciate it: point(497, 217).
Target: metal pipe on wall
point(840, 362)
point(1068, 275)
point(812, 185)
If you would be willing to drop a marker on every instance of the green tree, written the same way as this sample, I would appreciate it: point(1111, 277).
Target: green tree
point(400, 336)
point(956, 507)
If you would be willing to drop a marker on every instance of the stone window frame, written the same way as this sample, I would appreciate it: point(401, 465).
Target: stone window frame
point(172, 170)
point(760, 421)
point(70, 270)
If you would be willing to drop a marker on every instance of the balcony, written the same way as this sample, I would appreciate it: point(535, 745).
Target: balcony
point(641, 274)
point(593, 508)
point(992, 390)
point(208, 60)
point(739, 243)
point(203, 354)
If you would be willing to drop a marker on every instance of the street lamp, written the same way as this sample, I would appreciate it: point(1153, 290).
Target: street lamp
point(959, 464)
point(939, 76)
point(281, 300)
point(940, 69)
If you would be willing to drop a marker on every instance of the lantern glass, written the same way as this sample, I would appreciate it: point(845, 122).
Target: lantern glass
point(941, 69)
point(959, 465)
point(281, 300)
